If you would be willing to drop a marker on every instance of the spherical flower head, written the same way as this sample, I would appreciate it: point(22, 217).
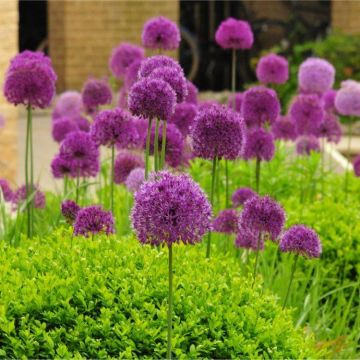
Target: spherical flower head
point(123, 56)
point(152, 98)
point(306, 144)
point(132, 74)
point(272, 69)
point(218, 132)
point(160, 33)
point(69, 210)
point(183, 117)
point(226, 222)
point(234, 34)
point(30, 80)
point(82, 123)
point(61, 127)
point(284, 128)
point(248, 239)
point(330, 128)
point(93, 220)
point(263, 215)
point(235, 101)
point(135, 179)
point(126, 162)
point(81, 151)
point(154, 62)
point(307, 113)
point(61, 167)
point(170, 209)
point(5, 190)
point(112, 127)
point(20, 196)
point(96, 92)
point(347, 100)
point(301, 240)
point(259, 145)
point(260, 105)
point(328, 99)
point(175, 78)
point(207, 104)
point(241, 195)
point(192, 93)
point(316, 76)
point(68, 104)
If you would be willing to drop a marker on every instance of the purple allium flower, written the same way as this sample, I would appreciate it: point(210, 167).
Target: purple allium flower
point(263, 215)
point(347, 100)
point(183, 117)
point(69, 210)
point(135, 179)
point(93, 220)
point(330, 128)
point(124, 56)
point(126, 162)
point(328, 100)
point(259, 145)
point(306, 144)
point(157, 61)
point(316, 76)
point(307, 113)
point(283, 128)
point(260, 105)
point(2, 121)
point(61, 167)
point(132, 74)
point(152, 98)
point(192, 93)
point(249, 239)
point(160, 33)
point(114, 126)
point(234, 34)
point(61, 127)
point(170, 209)
point(82, 123)
point(301, 240)
point(30, 80)
point(6, 191)
point(235, 101)
point(356, 165)
point(206, 104)
point(141, 126)
point(79, 150)
point(95, 93)
point(68, 104)
point(175, 78)
point(226, 222)
point(218, 132)
point(272, 69)
point(38, 199)
point(241, 195)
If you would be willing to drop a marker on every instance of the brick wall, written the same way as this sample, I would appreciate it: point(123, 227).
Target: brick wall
point(82, 33)
point(8, 48)
point(345, 16)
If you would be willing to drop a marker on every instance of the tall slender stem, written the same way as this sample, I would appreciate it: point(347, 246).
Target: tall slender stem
point(27, 182)
point(170, 304)
point(322, 166)
point(163, 146)
point(257, 257)
point(213, 172)
point(65, 185)
point(112, 177)
point(291, 279)
point(348, 155)
point(233, 75)
point(226, 184)
point(32, 188)
point(77, 186)
point(257, 174)
point(156, 145)
point(147, 150)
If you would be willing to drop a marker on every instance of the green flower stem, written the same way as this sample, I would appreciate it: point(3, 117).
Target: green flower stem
point(77, 186)
point(227, 201)
point(170, 304)
point(163, 146)
point(27, 182)
point(291, 280)
point(65, 186)
point(257, 174)
point(257, 258)
point(147, 150)
point(211, 201)
point(112, 178)
point(156, 146)
point(32, 190)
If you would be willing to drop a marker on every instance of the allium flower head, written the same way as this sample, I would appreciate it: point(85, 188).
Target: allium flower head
point(241, 195)
point(218, 132)
point(226, 222)
point(95, 93)
point(170, 209)
point(30, 80)
point(272, 69)
point(330, 128)
point(61, 127)
point(259, 145)
point(347, 100)
point(356, 165)
point(192, 93)
point(235, 101)
point(132, 74)
point(160, 33)
point(152, 98)
point(135, 179)
point(283, 128)
point(263, 214)
point(157, 61)
point(260, 105)
point(234, 34)
point(123, 56)
point(306, 144)
point(61, 167)
point(93, 220)
point(126, 162)
point(316, 76)
point(248, 239)
point(301, 240)
point(82, 123)
point(183, 117)
point(328, 100)
point(38, 199)
point(69, 210)
point(68, 104)
point(307, 113)
point(6, 191)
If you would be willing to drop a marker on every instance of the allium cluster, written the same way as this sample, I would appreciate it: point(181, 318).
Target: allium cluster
point(157, 61)
point(6, 191)
point(95, 93)
point(301, 240)
point(235, 101)
point(183, 117)
point(356, 165)
point(330, 128)
point(347, 100)
point(126, 162)
point(226, 222)
point(170, 209)
point(259, 145)
point(30, 80)
point(218, 132)
point(248, 239)
point(306, 144)
point(234, 34)
point(284, 128)
point(241, 195)
point(272, 69)
point(61, 127)
point(260, 105)
point(160, 33)
point(93, 220)
point(135, 179)
point(69, 210)
point(328, 99)
point(68, 104)
point(61, 167)
point(20, 196)
point(192, 93)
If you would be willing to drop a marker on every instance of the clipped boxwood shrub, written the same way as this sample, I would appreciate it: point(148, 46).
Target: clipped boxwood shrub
point(108, 298)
